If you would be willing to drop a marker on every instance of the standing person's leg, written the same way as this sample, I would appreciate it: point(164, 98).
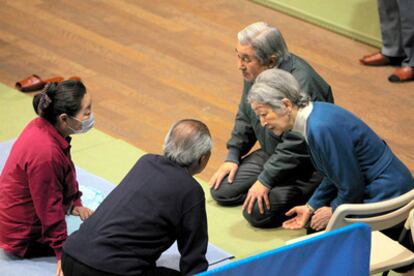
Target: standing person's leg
point(249, 169)
point(407, 30)
point(389, 13)
point(282, 198)
point(392, 51)
point(406, 71)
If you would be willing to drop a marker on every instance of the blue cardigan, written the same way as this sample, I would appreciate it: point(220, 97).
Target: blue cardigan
point(357, 165)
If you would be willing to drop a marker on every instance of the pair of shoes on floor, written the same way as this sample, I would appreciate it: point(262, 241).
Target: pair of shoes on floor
point(34, 82)
point(401, 74)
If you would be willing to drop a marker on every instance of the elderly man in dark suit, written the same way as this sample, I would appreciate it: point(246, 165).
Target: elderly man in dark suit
point(157, 203)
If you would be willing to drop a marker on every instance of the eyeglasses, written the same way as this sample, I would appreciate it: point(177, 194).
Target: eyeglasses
point(245, 58)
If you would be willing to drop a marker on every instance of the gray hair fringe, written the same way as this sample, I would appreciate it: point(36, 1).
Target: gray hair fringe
point(273, 85)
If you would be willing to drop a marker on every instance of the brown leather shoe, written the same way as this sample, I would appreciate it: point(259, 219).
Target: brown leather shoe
point(34, 82)
point(75, 78)
point(405, 73)
point(376, 59)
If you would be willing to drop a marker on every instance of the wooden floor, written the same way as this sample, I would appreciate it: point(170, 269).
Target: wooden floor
point(150, 63)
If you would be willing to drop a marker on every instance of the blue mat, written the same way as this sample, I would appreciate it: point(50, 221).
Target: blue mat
point(94, 189)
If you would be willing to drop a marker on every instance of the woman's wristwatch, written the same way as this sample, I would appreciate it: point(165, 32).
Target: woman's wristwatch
point(310, 208)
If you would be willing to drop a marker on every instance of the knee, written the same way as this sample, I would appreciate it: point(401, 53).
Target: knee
point(269, 219)
point(217, 194)
point(256, 219)
point(227, 195)
point(224, 198)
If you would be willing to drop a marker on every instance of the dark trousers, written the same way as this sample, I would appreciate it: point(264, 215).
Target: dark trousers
point(397, 29)
point(72, 267)
point(282, 197)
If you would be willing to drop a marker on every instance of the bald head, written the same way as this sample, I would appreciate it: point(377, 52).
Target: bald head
point(187, 141)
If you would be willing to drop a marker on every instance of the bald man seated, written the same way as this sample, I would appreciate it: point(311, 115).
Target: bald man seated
point(157, 203)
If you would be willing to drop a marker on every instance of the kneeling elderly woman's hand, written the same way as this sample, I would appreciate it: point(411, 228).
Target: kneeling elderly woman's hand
point(321, 218)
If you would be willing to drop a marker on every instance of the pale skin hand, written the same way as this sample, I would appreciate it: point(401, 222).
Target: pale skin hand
point(83, 212)
point(59, 271)
point(299, 221)
point(321, 218)
point(228, 168)
point(257, 192)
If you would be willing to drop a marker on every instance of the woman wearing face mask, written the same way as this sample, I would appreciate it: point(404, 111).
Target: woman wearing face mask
point(357, 165)
point(38, 184)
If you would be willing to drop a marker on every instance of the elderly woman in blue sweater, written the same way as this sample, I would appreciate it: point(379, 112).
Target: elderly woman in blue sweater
point(357, 165)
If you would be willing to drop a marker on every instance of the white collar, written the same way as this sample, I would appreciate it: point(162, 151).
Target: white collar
point(301, 120)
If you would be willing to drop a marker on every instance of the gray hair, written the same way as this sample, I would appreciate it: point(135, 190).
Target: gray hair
point(186, 141)
point(273, 85)
point(266, 40)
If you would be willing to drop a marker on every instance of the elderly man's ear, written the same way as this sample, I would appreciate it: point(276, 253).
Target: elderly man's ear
point(204, 160)
point(200, 164)
point(272, 61)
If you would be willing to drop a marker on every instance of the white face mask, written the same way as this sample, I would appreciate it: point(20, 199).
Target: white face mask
point(86, 124)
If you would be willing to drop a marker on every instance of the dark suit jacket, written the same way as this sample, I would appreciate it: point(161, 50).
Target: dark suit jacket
point(157, 203)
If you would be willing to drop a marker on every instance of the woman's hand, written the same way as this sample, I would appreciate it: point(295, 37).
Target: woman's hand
point(321, 218)
point(299, 221)
point(83, 212)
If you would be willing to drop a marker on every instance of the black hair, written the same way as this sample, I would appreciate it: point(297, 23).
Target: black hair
point(58, 98)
